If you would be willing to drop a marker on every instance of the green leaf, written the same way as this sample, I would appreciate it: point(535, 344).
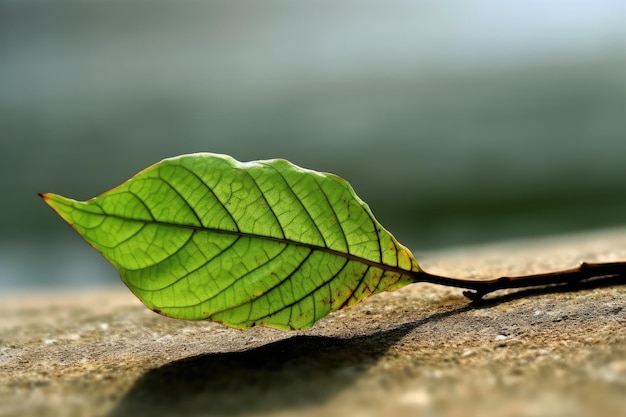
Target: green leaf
point(204, 236)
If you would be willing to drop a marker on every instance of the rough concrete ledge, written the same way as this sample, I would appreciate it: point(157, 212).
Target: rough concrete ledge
point(422, 350)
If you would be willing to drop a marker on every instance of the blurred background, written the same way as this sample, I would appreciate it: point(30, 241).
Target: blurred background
point(458, 122)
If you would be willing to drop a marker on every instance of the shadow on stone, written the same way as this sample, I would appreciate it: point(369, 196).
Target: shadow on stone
point(288, 374)
point(284, 375)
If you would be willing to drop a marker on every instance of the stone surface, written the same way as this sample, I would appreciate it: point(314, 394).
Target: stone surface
point(422, 350)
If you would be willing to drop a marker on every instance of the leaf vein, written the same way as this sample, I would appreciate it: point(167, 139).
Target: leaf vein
point(246, 274)
point(126, 239)
point(299, 200)
point(269, 206)
point(354, 291)
point(210, 190)
point(193, 210)
point(190, 272)
point(332, 208)
point(273, 287)
point(308, 294)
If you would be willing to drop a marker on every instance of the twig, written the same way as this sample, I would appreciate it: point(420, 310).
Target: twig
point(480, 288)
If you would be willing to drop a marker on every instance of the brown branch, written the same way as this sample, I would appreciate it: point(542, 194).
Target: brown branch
point(479, 288)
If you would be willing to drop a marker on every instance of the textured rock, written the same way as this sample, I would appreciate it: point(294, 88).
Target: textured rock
point(422, 350)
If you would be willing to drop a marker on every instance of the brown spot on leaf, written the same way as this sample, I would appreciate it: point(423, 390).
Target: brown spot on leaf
point(156, 310)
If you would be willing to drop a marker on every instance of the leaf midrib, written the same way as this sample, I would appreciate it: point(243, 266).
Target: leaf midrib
point(286, 241)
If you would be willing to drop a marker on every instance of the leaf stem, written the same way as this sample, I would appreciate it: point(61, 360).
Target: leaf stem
point(482, 287)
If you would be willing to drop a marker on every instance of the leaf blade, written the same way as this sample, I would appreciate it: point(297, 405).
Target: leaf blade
point(204, 236)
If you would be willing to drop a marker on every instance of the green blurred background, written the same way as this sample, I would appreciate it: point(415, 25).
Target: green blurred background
point(459, 122)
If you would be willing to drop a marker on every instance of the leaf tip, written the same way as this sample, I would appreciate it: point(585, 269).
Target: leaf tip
point(46, 197)
point(61, 205)
point(49, 198)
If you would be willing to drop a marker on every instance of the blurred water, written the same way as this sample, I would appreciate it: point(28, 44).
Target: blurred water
point(456, 122)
